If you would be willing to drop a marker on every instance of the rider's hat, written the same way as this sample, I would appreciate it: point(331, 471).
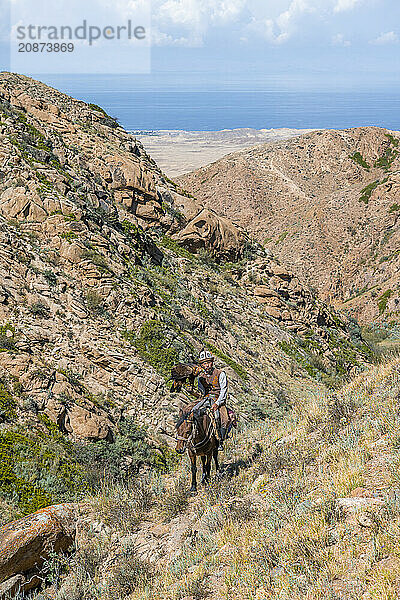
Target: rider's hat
point(205, 356)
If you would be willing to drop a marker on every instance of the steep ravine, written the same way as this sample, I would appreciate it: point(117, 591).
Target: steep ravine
point(110, 274)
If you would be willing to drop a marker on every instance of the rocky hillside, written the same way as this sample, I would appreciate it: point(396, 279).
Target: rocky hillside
point(110, 274)
point(327, 204)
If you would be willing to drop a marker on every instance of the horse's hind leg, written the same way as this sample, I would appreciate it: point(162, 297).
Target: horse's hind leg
point(204, 478)
point(193, 489)
point(215, 457)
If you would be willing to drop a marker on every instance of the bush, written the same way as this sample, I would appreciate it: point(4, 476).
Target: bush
point(118, 460)
point(360, 160)
point(122, 506)
point(152, 345)
point(94, 302)
point(129, 574)
point(366, 192)
point(167, 242)
point(7, 338)
point(38, 469)
point(50, 277)
point(96, 258)
point(7, 404)
point(39, 309)
point(383, 300)
point(176, 500)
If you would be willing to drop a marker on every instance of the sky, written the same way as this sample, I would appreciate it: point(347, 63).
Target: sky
point(266, 44)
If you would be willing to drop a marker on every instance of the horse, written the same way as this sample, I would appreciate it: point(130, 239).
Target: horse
point(195, 433)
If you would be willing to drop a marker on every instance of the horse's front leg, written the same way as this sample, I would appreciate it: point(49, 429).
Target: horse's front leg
point(206, 468)
point(193, 489)
point(204, 478)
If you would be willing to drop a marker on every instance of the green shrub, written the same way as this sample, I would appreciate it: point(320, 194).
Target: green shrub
point(367, 191)
point(394, 141)
point(94, 302)
point(383, 300)
point(75, 379)
point(128, 575)
point(154, 346)
point(385, 161)
point(95, 258)
point(360, 160)
point(107, 120)
point(281, 237)
point(69, 236)
point(37, 470)
point(39, 309)
point(176, 499)
point(97, 108)
point(374, 335)
point(50, 277)
point(7, 338)
point(167, 242)
point(7, 404)
point(119, 459)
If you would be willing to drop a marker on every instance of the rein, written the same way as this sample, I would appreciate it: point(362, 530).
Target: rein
point(189, 440)
point(205, 440)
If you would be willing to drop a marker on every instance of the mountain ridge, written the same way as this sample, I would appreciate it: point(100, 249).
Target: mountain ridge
point(325, 203)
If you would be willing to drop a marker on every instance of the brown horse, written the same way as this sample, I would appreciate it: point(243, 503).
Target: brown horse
point(195, 433)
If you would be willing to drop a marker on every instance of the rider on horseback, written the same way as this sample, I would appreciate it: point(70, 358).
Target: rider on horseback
point(213, 385)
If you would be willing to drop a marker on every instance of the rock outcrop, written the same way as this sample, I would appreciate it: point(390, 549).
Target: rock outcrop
point(77, 149)
point(25, 545)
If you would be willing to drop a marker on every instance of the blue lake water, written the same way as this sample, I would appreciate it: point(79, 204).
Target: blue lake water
point(207, 110)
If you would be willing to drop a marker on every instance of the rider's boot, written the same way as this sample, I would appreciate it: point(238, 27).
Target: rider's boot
point(222, 435)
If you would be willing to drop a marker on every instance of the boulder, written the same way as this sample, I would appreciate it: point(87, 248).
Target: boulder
point(213, 233)
point(279, 271)
point(25, 543)
point(273, 312)
point(150, 211)
point(17, 203)
point(87, 425)
point(264, 291)
point(129, 173)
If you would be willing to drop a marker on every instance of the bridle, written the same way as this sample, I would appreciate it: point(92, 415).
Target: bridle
point(189, 439)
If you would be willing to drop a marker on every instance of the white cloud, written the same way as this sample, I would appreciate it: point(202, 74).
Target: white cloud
point(225, 11)
point(280, 29)
point(386, 38)
point(179, 12)
point(187, 22)
point(343, 5)
point(340, 40)
point(160, 38)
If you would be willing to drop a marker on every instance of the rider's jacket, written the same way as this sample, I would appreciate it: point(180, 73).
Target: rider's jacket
point(214, 384)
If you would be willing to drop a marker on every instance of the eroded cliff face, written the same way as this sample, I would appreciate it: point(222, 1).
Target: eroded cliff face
point(67, 154)
point(327, 204)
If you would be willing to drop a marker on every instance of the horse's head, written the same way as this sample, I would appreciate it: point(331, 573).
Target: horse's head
point(184, 430)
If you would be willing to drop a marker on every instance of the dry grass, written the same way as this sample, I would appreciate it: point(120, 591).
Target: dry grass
point(273, 528)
